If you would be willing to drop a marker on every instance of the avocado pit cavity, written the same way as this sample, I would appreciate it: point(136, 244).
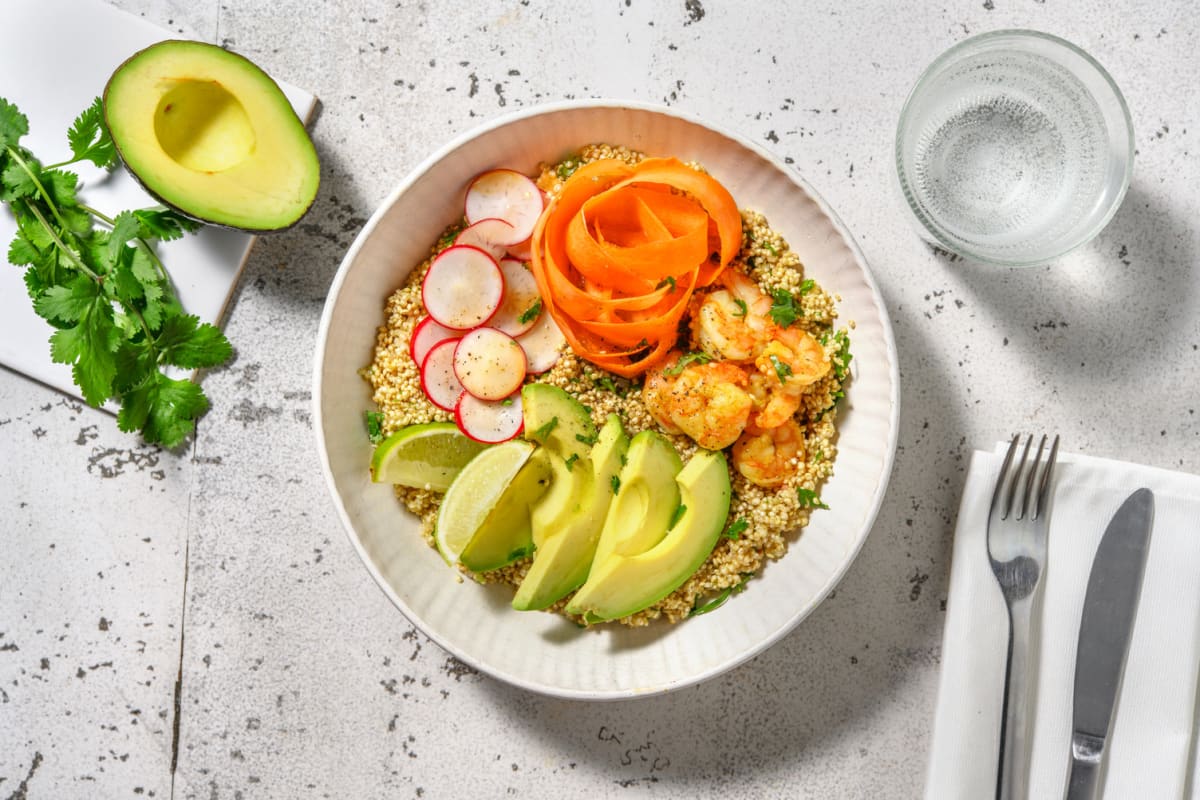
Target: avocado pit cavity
point(203, 127)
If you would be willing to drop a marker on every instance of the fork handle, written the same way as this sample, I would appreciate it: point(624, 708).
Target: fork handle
point(1012, 780)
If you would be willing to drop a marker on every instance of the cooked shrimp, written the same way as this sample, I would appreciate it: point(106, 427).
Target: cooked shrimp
point(786, 367)
point(769, 456)
point(733, 322)
point(708, 402)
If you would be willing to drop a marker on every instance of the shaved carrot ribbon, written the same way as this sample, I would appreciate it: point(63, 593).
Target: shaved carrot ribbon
point(619, 253)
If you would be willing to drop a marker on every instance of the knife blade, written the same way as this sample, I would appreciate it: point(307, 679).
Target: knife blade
point(1109, 610)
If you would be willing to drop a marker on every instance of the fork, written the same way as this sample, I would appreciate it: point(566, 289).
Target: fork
point(1016, 543)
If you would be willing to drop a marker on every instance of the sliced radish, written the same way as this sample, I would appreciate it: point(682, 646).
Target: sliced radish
point(489, 363)
point(463, 287)
point(508, 195)
point(425, 335)
point(438, 380)
point(522, 251)
point(543, 344)
point(490, 421)
point(521, 305)
point(485, 234)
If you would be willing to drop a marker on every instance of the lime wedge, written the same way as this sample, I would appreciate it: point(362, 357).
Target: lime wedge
point(474, 493)
point(425, 456)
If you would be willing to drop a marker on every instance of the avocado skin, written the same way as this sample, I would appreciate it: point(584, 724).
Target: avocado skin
point(624, 584)
point(149, 186)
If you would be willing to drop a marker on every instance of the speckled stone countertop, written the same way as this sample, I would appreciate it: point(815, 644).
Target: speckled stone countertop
point(196, 624)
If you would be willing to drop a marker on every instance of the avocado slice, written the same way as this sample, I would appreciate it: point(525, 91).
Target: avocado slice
point(564, 556)
point(556, 420)
point(211, 135)
point(644, 500)
point(624, 584)
point(505, 534)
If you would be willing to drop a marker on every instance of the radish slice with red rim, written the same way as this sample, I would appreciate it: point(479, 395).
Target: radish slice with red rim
point(463, 287)
point(543, 344)
point(522, 304)
point(490, 421)
point(425, 335)
point(522, 251)
point(438, 380)
point(508, 195)
point(489, 363)
point(486, 235)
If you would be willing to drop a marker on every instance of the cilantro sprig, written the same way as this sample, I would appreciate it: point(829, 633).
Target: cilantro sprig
point(117, 321)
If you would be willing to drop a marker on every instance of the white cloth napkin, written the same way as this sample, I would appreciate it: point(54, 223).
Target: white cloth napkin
point(1151, 748)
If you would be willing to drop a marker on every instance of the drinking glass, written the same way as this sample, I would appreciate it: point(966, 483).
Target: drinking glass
point(1013, 148)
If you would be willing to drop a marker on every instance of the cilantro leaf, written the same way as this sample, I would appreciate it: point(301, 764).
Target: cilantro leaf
point(187, 342)
point(544, 431)
point(784, 310)
point(783, 370)
point(735, 530)
point(163, 224)
point(89, 348)
point(531, 313)
point(164, 408)
point(808, 498)
point(89, 138)
point(125, 228)
point(742, 307)
point(13, 124)
point(18, 180)
point(68, 303)
point(374, 421)
point(690, 358)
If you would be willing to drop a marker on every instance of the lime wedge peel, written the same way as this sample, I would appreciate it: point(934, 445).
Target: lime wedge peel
point(427, 456)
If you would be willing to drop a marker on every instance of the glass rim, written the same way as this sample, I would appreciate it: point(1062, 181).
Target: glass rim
point(1018, 35)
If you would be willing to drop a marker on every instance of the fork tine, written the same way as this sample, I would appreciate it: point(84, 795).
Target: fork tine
point(1008, 457)
point(1031, 479)
point(1012, 487)
point(1043, 495)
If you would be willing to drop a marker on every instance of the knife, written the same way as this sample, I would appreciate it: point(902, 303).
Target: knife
point(1109, 608)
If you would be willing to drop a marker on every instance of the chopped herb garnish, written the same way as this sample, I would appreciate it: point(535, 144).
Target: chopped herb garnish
point(530, 313)
point(677, 515)
point(567, 168)
point(842, 358)
point(585, 439)
point(735, 530)
point(571, 461)
point(784, 310)
point(608, 384)
point(508, 401)
point(782, 369)
point(667, 281)
point(807, 285)
point(808, 498)
point(615, 481)
point(543, 432)
point(719, 600)
point(374, 420)
point(742, 307)
point(818, 456)
point(690, 358)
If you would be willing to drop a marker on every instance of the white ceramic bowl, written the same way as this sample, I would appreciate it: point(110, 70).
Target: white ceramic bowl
point(544, 652)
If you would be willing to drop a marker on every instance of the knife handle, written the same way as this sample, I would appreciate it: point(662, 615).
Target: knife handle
point(1083, 781)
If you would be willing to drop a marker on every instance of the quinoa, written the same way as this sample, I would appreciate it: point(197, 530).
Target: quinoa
point(761, 521)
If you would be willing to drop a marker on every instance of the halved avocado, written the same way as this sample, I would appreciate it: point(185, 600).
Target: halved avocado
point(211, 135)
